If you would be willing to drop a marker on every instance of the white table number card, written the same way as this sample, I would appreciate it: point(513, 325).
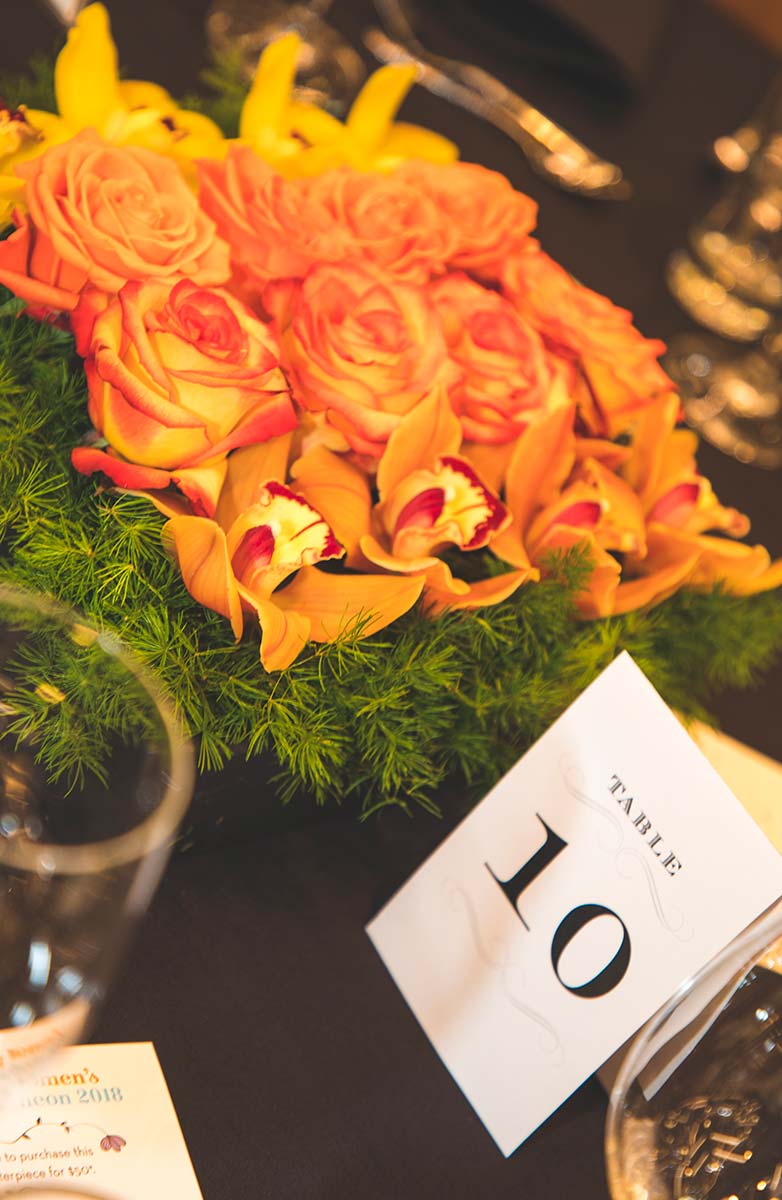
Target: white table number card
point(606, 867)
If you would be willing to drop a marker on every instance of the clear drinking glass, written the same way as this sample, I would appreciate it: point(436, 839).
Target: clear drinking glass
point(329, 71)
point(696, 1110)
point(94, 779)
point(66, 11)
point(732, 396)
point(729, 279)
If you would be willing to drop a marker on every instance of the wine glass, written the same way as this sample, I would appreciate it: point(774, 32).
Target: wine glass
point(696, 1110)
point(66, 11)
point(94, 779)
point(329, 71)
point(733, 397)
point(729, 279)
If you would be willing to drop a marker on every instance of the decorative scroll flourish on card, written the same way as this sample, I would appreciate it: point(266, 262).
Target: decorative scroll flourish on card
point(507, 970)
point(625, 857)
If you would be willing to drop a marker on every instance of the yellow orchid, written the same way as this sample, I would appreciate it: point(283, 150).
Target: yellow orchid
point(90, 94)
point(263, 532)
point(23, 135)
point(300, 139)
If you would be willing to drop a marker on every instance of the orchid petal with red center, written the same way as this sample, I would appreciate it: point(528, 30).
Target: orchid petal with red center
point(577, 507)
point(673, 508)
point(622, 525)
point(276, 536)
point(678, 458)
point(691, 505)
point(663, 471)
point(447, 506)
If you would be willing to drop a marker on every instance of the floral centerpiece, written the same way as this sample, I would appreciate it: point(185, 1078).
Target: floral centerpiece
point(362, 473)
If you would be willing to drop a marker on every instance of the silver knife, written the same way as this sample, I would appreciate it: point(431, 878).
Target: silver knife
point(550, 150)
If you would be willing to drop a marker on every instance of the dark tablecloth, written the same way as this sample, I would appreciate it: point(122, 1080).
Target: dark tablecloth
point(295, 1066)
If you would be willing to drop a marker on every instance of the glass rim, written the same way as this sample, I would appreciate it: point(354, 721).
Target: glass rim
point(750, 942)
point(153, 830)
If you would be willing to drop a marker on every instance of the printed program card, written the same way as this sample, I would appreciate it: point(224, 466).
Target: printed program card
point(607, 867)
point(99, 1120)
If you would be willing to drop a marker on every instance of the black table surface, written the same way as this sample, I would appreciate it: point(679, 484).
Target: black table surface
point(294, 1064)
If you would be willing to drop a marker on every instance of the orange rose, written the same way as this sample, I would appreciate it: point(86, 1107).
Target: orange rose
point(487, 217)
point(618, 364)
point(275, 227)
point(178, 378)
point(385, 221)
point(100, 215)
point(359, 346)
point(503, 370)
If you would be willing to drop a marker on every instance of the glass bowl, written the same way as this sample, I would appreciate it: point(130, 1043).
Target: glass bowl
point(696, 1109)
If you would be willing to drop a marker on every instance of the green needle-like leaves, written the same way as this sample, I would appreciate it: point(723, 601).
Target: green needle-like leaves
point(371, 722)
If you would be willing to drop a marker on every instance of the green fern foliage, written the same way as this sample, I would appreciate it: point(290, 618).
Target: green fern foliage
point(384, 720)
point(378, 721)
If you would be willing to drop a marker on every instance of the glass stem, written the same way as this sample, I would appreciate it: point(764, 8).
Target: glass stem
point(772, 345)
point(66, 11)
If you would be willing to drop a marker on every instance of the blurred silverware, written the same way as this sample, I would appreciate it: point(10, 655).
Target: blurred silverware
point(550, 150)
point(734, 152)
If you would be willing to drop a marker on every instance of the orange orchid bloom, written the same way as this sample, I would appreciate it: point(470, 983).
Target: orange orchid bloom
point(560, 498)
point(431, 498)
point(262, 533)
point(680, 507)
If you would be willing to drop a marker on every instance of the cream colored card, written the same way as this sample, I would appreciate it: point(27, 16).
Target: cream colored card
point(98, 1121)
point(755, 779)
